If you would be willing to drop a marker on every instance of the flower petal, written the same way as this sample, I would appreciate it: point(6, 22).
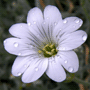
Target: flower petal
point(35, 17)
point(71, 24)
point(22, 31)
point(69, 60)
point(72, 40)
point(55, 71)
point(19, 47)
point(35, 71)
point(19, 30)
point(34, 21)
point(20, 65)
point(51, 18)
point(68, 25)
point(52, 14)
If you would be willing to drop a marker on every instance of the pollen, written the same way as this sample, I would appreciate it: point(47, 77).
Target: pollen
point(39, 51)
point(48, 50)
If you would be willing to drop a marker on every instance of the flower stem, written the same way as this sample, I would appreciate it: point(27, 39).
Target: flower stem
point(77, 80)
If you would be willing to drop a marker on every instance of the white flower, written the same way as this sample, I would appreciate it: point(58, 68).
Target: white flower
point(45, 44)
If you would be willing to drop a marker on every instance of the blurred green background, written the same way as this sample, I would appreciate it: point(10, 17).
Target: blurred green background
point(15, 11)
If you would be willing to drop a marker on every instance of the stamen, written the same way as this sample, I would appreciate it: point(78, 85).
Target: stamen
point(48, 50)
point(39, 51)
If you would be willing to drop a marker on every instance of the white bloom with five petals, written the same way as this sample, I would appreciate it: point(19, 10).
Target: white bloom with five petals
point(45, 44)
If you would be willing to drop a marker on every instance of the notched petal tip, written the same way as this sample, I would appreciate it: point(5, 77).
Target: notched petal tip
point(72, 40)
point(52, 13)
point(35, 71)
point(20, 65)
point(84, 37)
point(55, 71)
point(16, 75)
point(19, 30)
point(35, 16)
point(71, 24)
point(69, 61)
point(5, 43)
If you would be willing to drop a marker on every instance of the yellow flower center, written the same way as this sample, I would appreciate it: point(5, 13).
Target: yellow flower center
point(49, 50)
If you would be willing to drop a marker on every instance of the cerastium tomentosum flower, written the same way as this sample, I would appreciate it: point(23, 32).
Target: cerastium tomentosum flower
point(45, 44)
